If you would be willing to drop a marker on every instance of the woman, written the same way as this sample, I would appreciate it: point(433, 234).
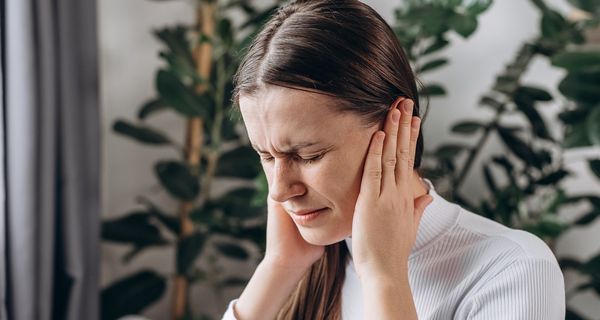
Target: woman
point(330, 104)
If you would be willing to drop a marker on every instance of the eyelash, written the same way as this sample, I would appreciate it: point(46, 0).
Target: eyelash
point(305, 161)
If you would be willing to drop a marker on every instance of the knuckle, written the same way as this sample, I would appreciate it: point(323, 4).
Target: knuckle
point(391, 162)
point(404, 155)
point(375, 174)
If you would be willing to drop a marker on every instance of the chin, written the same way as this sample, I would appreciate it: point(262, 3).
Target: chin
point(321, 236)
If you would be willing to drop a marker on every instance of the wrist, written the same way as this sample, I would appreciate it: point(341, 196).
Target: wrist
point(273, 264)
point(383, 276)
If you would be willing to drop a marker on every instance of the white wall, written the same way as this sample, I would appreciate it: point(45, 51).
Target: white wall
point(129, 60)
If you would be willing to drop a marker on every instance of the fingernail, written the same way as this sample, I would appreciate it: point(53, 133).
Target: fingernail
point(395, 116)
point(408, 105)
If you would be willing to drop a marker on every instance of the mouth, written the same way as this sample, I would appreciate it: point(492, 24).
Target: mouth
point(305, 217)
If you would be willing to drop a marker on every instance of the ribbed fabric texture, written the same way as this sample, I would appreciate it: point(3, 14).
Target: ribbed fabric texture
point(464, 266)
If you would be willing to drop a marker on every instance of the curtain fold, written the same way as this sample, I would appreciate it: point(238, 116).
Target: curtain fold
point(52, 147)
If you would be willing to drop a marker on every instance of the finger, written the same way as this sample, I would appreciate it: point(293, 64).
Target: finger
point(371, 180)
point(415, 127)
point(403, 143)
point(389, 146)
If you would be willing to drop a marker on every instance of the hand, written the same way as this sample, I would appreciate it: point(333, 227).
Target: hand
point(285, 246)
point(386, 215)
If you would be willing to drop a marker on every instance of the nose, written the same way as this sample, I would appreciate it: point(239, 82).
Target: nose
point(285, 183)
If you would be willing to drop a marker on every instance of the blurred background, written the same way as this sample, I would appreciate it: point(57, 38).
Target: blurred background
point(130, 188)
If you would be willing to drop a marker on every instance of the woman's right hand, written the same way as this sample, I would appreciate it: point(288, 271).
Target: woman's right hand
point(287, 259)
point(285, 246)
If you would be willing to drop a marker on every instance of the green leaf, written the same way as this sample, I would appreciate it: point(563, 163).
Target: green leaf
point(238, 203)
point(131, 295)
point(134, 228)
point(232, 251)
point(175, 40)
point(179, 97)
point(592, 6)
point(467, 127)
point(553, 178)
point(449, 151)
point(479, 6)
point(439, 44)
point(431, 65)
point(178, 180)
point(534, 93)
point(595, 166)
point(553, 24)
point(228, 131)
point(489, 179)
point(582, 86)
point(506, 83)
point(593, 126)
point(575, 116)
point(576, 136)
point(569, 263)
point(463, 24)
point(592, 266)
point(242, 162)
point(504, 163)
point(150, 107)
point(169, 221)
point(204, 215)
point(587, 218)
point(519, 148)
point(577, 60)
point(225, 31)
point(491, 102)
point(432, 90)
point(573, 315)
point(188, 249)
point(526, 105)
point(140, 133)
point(547, 228)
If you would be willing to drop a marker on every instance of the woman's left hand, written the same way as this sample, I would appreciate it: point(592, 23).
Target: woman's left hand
point(387, 215)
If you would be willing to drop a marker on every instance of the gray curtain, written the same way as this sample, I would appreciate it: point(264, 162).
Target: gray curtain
point(51, 225)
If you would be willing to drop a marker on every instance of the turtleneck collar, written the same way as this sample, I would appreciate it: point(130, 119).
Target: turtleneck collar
point(439, 216)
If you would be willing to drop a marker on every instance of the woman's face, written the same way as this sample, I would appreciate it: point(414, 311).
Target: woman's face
point(290, 127)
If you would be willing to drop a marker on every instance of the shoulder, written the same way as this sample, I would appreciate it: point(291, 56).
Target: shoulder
point(499, 238)
point(523, 278)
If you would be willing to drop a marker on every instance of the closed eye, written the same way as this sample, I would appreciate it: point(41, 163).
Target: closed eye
point(265, 158)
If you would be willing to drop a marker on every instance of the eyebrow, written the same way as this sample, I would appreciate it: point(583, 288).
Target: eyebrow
point(290, 149)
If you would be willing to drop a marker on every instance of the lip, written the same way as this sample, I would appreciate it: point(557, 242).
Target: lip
point(305, 212)
point(305, 217)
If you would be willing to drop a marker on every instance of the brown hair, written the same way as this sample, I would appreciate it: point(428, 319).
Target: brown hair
point(342, 48)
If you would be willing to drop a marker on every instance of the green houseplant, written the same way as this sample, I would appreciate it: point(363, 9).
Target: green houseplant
point(195, 82)
point(524, 180)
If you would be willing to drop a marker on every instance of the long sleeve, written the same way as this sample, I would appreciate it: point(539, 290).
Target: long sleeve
point(527, 289)
point(229, 315)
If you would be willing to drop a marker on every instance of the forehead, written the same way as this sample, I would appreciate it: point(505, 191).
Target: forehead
point(279, 116)
point(280, 103)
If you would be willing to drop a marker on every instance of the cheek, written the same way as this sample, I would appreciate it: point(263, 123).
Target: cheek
point(338, 179)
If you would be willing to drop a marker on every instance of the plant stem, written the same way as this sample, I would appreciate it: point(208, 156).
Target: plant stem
point(193, 147)
point(522, 60)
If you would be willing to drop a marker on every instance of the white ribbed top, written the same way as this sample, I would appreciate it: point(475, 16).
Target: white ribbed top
point(464, 266)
